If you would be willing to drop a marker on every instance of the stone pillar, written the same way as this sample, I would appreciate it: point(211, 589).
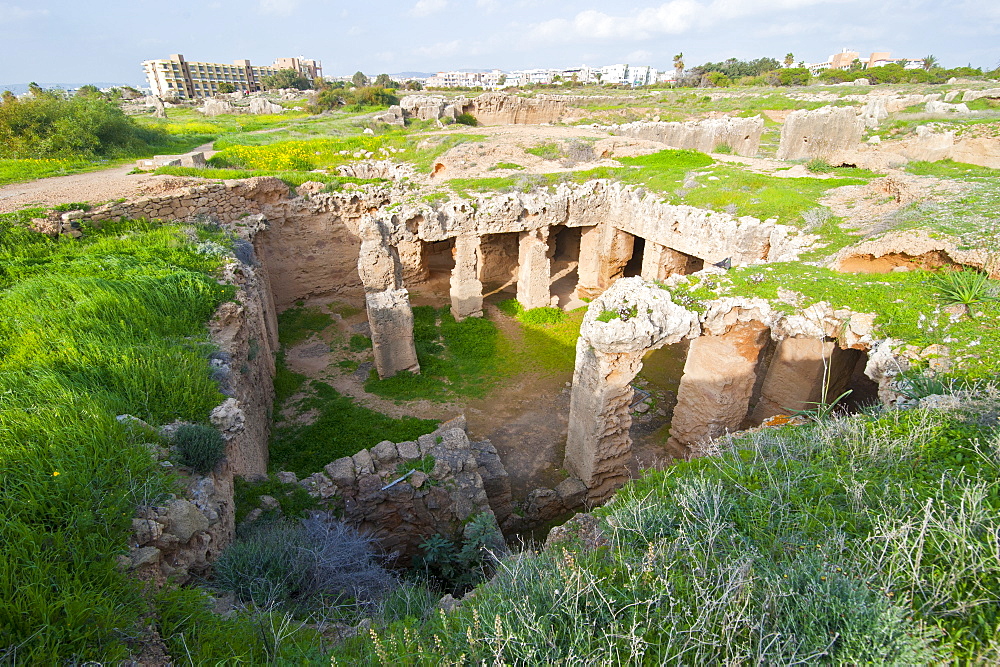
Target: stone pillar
point(391, 321)
point(659, 262)
point(604, 252)
point(466, 288)
point(608, 356)
point(389, 314)
point(534, 269)
point(718, 383)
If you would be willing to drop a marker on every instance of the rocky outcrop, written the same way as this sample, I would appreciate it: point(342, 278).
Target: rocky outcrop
point(502, 109)
point(392, 116)
point(945, 108)
point(819, 133)
point(384, 169)
point(990, 93)
point(741, 135)
point(430, 107)
point(912, 247)
point(261, 106)
point(931, 146)
point(403, 493)
point(215, 107)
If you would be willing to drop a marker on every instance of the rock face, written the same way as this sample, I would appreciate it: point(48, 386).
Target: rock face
point(932, 146)
point(213, 107)
point(746, 362)
point(608, 356)
point(379, 493)
point(883, 254)
point(819, 133)
point(261, 106)
point(944, 107)
point(502, 109)
point(741, 135)
point(720, 373)
point(488, 108)
point(392, 116)
point(387, 169)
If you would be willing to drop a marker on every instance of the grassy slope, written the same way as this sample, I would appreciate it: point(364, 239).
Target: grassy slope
point(89, 330)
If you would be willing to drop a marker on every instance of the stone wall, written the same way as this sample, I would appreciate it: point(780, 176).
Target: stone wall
point(183, 534)
point(742, 135)
point(403, 493)
point(502, 109)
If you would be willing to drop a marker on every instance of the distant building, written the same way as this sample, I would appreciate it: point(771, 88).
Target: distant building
point(845, 59)
point(176, 77)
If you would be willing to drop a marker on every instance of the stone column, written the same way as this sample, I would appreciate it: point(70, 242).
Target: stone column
point(389, 314)
point(466, 288)
point(534, 269)
point(659, 262)
point(608, 356)
point(604, 252)
point(718, 383)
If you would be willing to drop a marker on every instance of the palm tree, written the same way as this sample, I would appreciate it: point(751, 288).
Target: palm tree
point(679, 65)
point(789, 59)
point(930, 62)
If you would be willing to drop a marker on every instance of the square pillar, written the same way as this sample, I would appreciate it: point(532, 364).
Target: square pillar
point(466, 288)
point(659, 262)
point(534, 269)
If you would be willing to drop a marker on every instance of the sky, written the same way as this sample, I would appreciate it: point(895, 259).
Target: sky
point(107, 40)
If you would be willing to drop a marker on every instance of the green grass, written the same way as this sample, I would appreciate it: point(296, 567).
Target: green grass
point(342, 428)
point(868, 540)
point(90, 329)
point(456, 359)
point(549, 151)
point(16, 171)
point(294, 500)
point(317, 153)
point(951, 169)
point(548, 338)
point(506, 165)
point(297, 324)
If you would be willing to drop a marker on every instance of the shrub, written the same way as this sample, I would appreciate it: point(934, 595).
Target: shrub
point(967, 287)
point(466, 119)
point(819, 166)
point(200, 447)
point(280, 561)
point(724, 149)
point(269, 566)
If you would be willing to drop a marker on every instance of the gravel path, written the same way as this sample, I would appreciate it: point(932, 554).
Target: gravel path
point(92, 186)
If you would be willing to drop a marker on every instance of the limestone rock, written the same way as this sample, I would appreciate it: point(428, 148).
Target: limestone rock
point(819, 133)
point(146, 531)
point(341, 472)
point(228, 417)
point(943, 107)
point(261, 106)
point(503, 109)
point(392, 116)
point(213, 107)
point(184, 519)
point(145, 556)
point(742, 135)
point(286, 477)
point(572, 492)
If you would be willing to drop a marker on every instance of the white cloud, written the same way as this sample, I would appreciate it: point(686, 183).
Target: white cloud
point(488, 5)
point(670, 18)
point(355, 30)
point(278, 7)
point(11, 13)
point(439, 50)
point(639, 56)
point(428, 7)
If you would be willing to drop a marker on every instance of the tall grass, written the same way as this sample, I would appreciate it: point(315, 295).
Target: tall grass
point(89, 329)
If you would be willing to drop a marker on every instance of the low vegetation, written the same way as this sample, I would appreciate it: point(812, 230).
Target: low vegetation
point(865, 540)
point(108, 325)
